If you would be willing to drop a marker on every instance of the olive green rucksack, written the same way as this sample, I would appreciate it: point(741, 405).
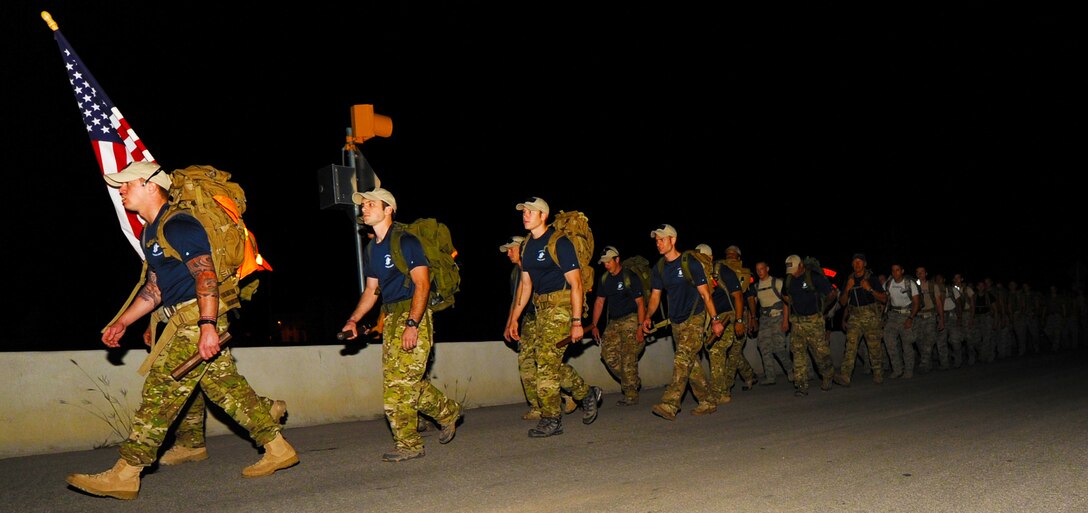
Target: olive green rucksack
point(440, 252)
point(685, 265)
point(638, 266)
point(685, 258)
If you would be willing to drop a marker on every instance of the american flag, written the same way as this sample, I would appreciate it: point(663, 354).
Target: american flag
point(114, 142)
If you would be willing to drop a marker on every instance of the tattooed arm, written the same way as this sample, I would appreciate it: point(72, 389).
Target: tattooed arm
point(202, 269)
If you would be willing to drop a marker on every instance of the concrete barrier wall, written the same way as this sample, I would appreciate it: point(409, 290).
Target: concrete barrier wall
point(74, 400)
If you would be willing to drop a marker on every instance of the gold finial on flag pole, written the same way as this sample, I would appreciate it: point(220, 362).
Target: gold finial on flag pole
point(49, 21)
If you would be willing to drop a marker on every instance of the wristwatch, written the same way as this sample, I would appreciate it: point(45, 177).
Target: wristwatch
point(411, 323)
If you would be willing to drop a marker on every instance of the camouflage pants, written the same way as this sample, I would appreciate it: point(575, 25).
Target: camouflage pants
point(553, 315)
point(954, 333)
point(899, 341)
point(527, 347)
point(163, 398)
point(771, 342)
point(864, 321)
point(190, 429)
point(406, 392)
point(527, 361)
point(726, 357)
point(980, 341)
point(688, 338)
point(620, 351)
point(927, 337)
point(807, 331)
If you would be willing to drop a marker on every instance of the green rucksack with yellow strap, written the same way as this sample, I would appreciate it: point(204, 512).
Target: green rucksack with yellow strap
point(685, 264)
point(441, 255)
point(636, 265)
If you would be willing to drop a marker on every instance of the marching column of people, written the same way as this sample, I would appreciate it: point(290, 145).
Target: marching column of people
point(710, 305)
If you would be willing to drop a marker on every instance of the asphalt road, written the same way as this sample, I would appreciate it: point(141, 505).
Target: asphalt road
point(1003, 437)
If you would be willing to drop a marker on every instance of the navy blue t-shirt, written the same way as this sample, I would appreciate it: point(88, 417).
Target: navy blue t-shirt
point(380, 265)
point(805, 300)
point(684, 299)
point(723, 299)
point(515, 280)
point(619, 296)
point(186, 235)
point(547, 275)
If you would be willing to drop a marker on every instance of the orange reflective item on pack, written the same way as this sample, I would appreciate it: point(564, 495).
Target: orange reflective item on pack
point(252, 259)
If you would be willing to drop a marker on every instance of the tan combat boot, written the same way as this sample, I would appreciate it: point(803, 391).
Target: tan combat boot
point(179, 454)
point(705, 409)
point(120, 482)
point(278, 455)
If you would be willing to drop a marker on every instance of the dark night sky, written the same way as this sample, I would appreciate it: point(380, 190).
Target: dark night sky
point(938, 136)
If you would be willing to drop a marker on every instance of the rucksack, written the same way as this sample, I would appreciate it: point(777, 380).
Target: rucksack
point(911, 286)
point(639, 266)
point(776, 287)
point(812, 265)
point(953, 294)
point(744, 275)
point(575, 226)
point(930, 290)
point(440, 252)
point(685, 264)
point(209, 195)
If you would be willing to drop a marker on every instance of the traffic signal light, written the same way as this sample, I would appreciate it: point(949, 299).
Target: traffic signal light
point(365, 124)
